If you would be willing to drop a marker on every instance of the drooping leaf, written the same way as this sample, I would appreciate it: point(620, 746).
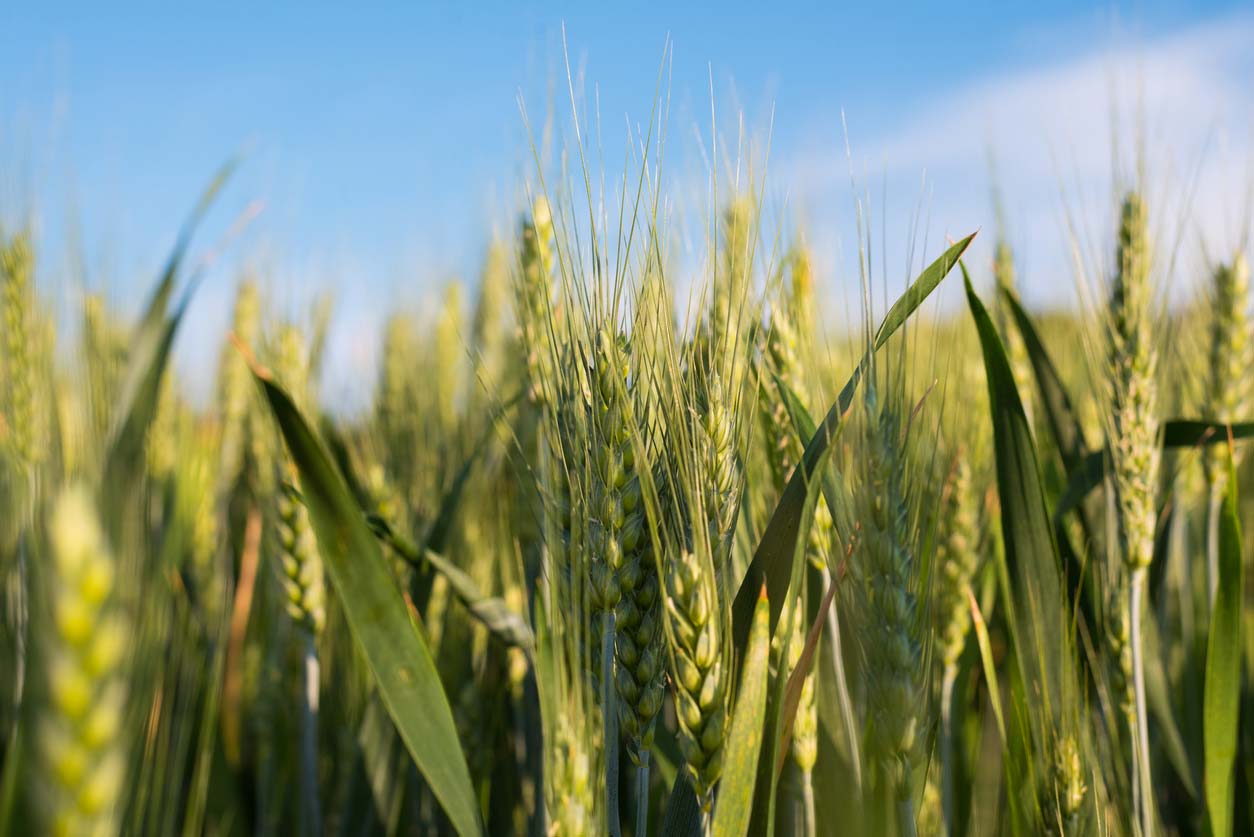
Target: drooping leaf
point(744, 738)
point(491, 611)
point(398, 656)
point(1222, 699)
point(772, 562)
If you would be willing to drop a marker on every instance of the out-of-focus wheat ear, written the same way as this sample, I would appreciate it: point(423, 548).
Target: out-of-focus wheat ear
point(450, 357)
point(162, 448)
point(1230, 389)
point(728, 316)
point(804, 748)
point(16, 274)
point(488, 326)
point(884, 562)
point(957, 559)
point(105, 344)
point(533, 296)
point(236, 392)
point(783, 356)
point(82, 738)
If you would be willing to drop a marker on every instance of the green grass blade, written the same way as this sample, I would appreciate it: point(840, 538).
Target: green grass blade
point(1064, 426)
point(1221, 702)
point(805, 427)
point(124, 460)
point(146, 363)
point(1031, 554)
point(744, 742)
point(1059, 412)
point(399, 658)
point(773, 559)
point(990, 664)
point(153, 326)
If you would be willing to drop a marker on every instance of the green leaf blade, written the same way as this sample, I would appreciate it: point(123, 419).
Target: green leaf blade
point(744, 741)
point(1222, 697)
point(1031, 555)
point(398, 656)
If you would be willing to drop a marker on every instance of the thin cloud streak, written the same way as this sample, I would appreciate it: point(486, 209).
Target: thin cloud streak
point(1062, 137)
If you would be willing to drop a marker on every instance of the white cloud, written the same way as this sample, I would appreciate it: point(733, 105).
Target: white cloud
point(1050, 129)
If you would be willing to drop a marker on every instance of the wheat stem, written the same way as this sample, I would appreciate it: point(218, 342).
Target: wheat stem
point(1145, 781)
point(947, 744)
point(309, 739)
point(905, 817)
point(807, 805)
point(642, 795)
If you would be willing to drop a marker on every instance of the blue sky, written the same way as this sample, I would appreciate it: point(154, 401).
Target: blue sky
point(387, 145)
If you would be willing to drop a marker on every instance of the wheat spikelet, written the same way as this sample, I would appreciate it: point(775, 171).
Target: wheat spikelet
point(957, 559)
point(716, 440)
point(81, 738)
point(1133, 361)
point(300, 562)
point(884, 561)
point(698, 668)
point(638, 622)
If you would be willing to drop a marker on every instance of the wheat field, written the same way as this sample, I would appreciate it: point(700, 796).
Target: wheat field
point(628, 543)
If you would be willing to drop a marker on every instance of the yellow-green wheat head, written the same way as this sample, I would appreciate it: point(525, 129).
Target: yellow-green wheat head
point(80, 738)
